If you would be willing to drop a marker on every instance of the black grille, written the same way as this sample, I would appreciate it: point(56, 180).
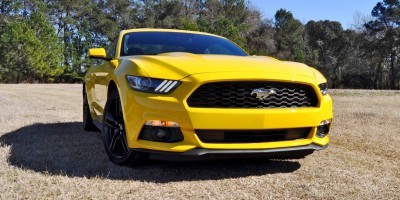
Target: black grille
point(239, 95)
point(245, 136)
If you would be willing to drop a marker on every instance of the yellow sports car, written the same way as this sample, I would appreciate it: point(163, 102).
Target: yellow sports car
point(173, 94)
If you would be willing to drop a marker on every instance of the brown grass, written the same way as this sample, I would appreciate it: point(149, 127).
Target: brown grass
point(44, 154)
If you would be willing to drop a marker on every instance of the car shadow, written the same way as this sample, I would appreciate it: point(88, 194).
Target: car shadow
point(65, 149)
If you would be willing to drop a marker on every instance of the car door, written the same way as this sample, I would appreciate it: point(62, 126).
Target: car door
point(101, 78)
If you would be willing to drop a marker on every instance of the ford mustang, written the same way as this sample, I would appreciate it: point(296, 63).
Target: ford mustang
point(173, 94)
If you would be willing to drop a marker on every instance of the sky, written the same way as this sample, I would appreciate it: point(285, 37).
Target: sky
point(306, 10)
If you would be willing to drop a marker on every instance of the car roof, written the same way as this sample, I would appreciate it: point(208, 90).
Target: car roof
point(166, 30)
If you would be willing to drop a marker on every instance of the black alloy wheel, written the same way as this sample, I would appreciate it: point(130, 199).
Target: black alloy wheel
point(114, 134)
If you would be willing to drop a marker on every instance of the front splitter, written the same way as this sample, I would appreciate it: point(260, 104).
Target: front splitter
point(217, 154)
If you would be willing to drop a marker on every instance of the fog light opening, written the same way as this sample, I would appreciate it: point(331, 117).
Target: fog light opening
point(323, 128)
point(161, 131)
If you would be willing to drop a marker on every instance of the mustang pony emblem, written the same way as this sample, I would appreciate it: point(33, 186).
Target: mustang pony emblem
point(262, 93)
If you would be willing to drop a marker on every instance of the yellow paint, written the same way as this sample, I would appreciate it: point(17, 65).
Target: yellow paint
point(193, 71)
point(97, 53)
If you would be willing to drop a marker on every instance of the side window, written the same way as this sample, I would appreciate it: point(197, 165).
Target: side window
point(112, 49)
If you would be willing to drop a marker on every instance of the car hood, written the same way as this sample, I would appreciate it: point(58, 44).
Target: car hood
point(180, 65)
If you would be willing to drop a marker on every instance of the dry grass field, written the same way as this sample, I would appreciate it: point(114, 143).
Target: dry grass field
point(45, 154)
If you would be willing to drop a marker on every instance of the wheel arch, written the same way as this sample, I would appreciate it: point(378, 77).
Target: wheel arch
point(111, 87)
point(83, 88)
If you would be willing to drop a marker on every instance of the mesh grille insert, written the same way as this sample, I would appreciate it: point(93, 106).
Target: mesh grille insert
point(244, 95)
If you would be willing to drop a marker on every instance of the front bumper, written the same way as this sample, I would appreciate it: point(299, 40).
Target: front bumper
point(140, 107)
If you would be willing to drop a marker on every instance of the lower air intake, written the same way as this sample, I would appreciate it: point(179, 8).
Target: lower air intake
point(246, 136)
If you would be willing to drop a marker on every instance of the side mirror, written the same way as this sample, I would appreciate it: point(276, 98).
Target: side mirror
point(97, 53)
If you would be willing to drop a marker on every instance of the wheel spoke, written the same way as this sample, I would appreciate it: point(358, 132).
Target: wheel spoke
point(113, 142)
point(113, 128)
point(111, 118)
point(124, 145)
point(109, 125)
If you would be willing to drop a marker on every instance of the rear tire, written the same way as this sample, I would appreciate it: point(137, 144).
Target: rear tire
point(114, 134)
point(87, 117)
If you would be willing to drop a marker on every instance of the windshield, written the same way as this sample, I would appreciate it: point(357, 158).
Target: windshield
point(154, 43)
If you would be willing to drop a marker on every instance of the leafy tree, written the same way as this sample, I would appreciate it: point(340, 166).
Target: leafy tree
point(289, 37)
point(226, 18)
point(30, 48)
point(329, 47)
point(385, 28)
point(47, 40)
point(260, 41)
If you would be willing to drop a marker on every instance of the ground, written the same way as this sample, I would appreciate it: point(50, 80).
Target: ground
point(45, 154)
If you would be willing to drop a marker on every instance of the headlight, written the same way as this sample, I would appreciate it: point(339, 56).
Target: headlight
point(324, 88)
point(152, 85)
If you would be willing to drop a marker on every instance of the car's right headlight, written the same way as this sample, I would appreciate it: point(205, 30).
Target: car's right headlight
point(152, 85)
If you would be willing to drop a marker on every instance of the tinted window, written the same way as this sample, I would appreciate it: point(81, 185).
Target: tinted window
point(154, 43)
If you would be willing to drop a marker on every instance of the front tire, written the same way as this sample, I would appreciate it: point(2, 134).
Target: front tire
point(114, 134)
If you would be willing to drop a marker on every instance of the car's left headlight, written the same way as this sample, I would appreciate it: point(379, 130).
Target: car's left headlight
point(324, 88)
point(152, 85)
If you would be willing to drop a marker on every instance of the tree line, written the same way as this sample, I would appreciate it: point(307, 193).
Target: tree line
point(47, 40)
